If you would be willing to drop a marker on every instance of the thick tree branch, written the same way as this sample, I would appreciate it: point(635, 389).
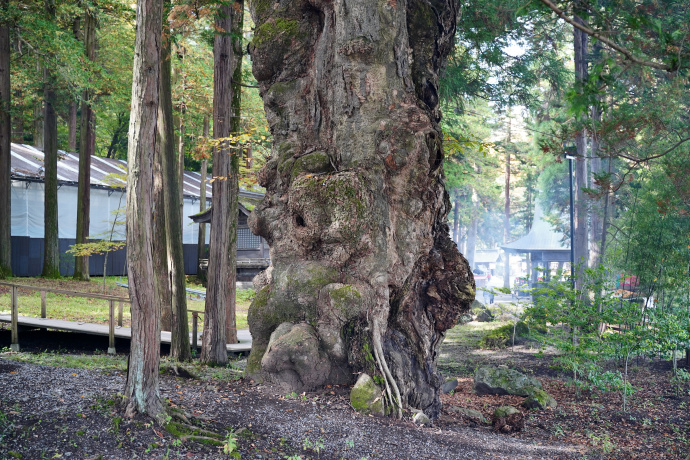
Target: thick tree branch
point(613, 45)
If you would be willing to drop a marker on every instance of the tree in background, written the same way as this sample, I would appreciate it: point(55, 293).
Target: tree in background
point(5, 139)
point(87, 145)
point(173, 274)
point(219, 318)
point(51, 253)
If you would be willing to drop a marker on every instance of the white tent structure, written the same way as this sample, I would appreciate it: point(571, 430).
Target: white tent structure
point(108, 183)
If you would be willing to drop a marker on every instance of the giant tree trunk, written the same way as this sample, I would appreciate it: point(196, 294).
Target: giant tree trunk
point(580, 231)
point(174, 272)
point(86, 149)
point(5, 148)
point(142, 388)
point(364, 275)
point(51, 254)
point(220, 297)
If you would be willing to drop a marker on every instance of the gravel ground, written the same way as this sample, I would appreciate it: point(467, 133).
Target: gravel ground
point(55, 412)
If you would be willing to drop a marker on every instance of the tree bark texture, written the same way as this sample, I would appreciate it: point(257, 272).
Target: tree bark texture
point(506, 212)
point(160, 245)
point(364, 275)
point(51, 254)
point(72, 115)
point(142, 388)
point(86, 150)
point(220, 297)
point(580, 230)
point(5, 149)
point(174, 270)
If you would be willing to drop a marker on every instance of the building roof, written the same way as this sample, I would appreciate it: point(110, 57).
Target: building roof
point(27, 164)
point(486, 256)
point(541, 237)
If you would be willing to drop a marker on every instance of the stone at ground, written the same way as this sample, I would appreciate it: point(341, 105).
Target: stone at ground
point(450, 385)
point(366, 397)
point(507, 419)
point(294, 358)
point(485, 316)
point(539, 399)
point(503, 381)
point(421, 419)
point(471, 414)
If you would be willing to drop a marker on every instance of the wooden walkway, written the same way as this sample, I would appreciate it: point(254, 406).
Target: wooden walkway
point(110, 330)
point(244, 345)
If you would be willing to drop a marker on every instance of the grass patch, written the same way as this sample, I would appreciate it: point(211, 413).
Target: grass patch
point(57, 359)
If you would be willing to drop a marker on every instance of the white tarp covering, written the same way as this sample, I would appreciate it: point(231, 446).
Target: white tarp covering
point(27, 212)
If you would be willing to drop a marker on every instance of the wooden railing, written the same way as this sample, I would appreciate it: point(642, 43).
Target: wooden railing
point(43, 290)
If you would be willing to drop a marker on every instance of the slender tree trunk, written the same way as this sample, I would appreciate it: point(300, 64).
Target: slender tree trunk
point(5, 148)
point(120, 131)
point(201, 245)
point(86, 150)
point(18, 122)
point(506, 209)
point(72, 115)
point(38, 118)
point(472, 242)
point(179, 347)
point(160, 243)
point(580, 230)
point(181, 52)
point(456, 220)
point(220, 296)
point(142, 388)
point(355, 209)
point(51, 254)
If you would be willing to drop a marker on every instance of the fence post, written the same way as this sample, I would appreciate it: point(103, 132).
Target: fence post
point(111, 332)
point(43, 304)
point(14, 346)
point(195, 321)
point(119, 314)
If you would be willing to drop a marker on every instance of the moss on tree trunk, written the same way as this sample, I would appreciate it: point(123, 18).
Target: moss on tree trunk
point(355, 209)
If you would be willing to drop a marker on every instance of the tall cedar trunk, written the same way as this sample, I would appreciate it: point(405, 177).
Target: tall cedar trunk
point(472, 241)
point(220, 298)
point(51, 254)
point(174, 271)
point(180, 51)
point(364, 275)
point(142, 388)
point(580, 230)
point(598, 206)
point(72, 114)
point(38, 117)
point(86, 150)
point(5, 148)
point(18, 122)
point(456, 220)
point(201, 245)
point(160, 243)
point(506, 210)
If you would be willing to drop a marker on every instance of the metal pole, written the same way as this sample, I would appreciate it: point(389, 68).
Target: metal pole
point(572, 225)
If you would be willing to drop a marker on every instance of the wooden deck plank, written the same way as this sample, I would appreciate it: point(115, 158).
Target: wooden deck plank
point(243, 335)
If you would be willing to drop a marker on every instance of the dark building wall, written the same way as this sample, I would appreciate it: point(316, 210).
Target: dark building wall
point(27, 259)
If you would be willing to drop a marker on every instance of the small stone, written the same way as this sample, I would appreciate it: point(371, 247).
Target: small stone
point(539, 399)
point(420, 418)
point(366, 397)
point(450, 385)
point(471, 414)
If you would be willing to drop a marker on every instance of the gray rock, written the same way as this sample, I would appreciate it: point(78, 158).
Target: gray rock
point(450, 385)
point(484, 315)
point(366, 397)
point(471, 414)
point(503, 381)
point(420, 418)
point(539, 399)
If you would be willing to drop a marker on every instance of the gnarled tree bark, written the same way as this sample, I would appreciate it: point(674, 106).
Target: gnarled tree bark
point(364, 275)
point(5, 147)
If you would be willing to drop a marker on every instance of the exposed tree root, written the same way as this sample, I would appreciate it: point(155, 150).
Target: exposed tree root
point(392, 390)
